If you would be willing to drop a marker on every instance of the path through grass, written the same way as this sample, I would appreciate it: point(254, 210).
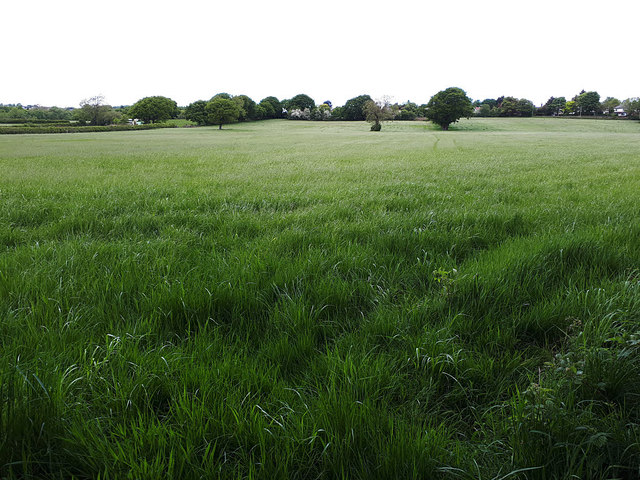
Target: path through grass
point(313, 300)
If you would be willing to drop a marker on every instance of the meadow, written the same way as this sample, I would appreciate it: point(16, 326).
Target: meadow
point(312, 300)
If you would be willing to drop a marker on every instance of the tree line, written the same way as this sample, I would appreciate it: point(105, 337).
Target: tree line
point(223, 108)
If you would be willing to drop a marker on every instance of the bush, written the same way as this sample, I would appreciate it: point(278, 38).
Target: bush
point(74, 129)
point(376, 127)
point(21, 121)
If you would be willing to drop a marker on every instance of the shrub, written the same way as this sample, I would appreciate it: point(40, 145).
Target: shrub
point(74, 129)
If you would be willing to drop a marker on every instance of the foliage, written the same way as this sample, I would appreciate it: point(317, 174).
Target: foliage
point(588, 103)
point(554, 106)
point(154, 109)
point(300, 102)
point(272, 106)
point(377, 112)
point(221, 111)
point(608, 106)
point(337, 113)
point(196, 112)
point(632, 107)
point(247, 108)
point(69, 128)
point(297, 114)
point(321, 112)
point(94, 111)
point(448, 106)
point(354, 108)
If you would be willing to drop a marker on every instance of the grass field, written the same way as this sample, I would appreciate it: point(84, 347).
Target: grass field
point(312, 300)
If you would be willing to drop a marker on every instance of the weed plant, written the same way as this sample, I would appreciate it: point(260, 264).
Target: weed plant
point(310, 300)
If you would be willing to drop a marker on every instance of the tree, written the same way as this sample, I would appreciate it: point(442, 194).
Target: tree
point(377, 112)
point(154, 109)
point(609, 105)
point(570, 107)
point(248, 107)
point(222, 111)
point(196, 112)
point(354, 108)
point(554, 106)
point(632, 107)
point(588, 103)
point(276, 106)
point(300, 102)
point(525, 108)
point(448, 106)
point(94, 111)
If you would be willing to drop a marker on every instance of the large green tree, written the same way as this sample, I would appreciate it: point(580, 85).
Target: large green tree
point(248, 107)
point(154, 109)
point(448, 106)
point(196, 112)
point(554, 106)
point(354, 108)
point(221, 111)
point(588, 103)
point(300, 102)
point(276, 106)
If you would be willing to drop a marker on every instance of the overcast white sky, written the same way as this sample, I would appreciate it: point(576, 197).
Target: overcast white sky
point(59, 52)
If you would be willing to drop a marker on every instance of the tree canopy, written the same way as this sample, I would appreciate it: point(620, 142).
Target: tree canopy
point(222, 111)
point(154, 109)
point(448, 106)
point(354, 108)
point(275, 106)
point(376, 113)
point(588, 103)
point(300, 102)
point(94, 111)
point(196, 112)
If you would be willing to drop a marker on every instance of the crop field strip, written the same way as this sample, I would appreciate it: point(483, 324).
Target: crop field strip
point(287, 299)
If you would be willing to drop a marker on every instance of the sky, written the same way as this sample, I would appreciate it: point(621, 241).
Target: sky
point(61, 52)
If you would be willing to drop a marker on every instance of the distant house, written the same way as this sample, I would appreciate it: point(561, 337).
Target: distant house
point(134, 121)
point(619, 111)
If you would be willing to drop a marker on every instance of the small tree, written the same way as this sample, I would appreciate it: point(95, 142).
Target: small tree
point(222, 111)
point(376, 113)
point(448, 106)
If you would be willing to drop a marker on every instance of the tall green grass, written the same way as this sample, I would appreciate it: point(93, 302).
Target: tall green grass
point(313, 300)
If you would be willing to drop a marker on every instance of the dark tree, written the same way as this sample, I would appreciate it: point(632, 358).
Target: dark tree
point(222, 111)
point(276, 106)
point(553, 106)
point(354, 108)
point(300, 102)
point(588, 103)
point(196, 112)
point(248, 107)
point(154, 109)
point(448, 106)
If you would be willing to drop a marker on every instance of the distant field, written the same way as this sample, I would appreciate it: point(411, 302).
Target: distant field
point(313, 300)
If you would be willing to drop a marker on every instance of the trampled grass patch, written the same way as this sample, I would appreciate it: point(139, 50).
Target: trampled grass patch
point(313, 300)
